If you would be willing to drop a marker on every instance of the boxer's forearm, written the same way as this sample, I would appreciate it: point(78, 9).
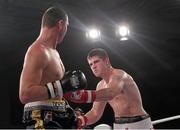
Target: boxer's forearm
point(92, 118)
point(89, 96)
point(33, 93)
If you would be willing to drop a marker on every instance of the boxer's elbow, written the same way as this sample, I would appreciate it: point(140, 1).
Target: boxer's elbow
point(111, 93)
point(23, 100)
point(24, 96)
point(105, 94)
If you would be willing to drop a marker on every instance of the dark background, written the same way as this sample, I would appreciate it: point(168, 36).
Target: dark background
point(151, 55)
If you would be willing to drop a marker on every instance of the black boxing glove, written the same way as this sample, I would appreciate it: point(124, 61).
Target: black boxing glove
point(72, 81)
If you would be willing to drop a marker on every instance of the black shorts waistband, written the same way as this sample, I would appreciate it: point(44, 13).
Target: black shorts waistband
point(123, 120)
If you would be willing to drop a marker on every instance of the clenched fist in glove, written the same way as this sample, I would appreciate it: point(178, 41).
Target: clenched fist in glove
point(72, 81)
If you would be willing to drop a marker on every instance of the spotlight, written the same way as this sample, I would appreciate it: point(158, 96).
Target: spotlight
point(123, 32)
point(93, 34)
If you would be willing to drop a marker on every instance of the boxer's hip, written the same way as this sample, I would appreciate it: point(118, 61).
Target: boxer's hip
point(135, 122)
point(45, 114)
point(123, 120)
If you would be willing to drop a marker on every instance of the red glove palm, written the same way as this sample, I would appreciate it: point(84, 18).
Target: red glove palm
point(81, 96)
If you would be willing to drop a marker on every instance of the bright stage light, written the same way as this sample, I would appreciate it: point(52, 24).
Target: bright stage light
point(123, 32)
point(93, 34)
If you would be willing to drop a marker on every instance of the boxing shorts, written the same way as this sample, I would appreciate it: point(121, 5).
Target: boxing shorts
point(135, 122)
point(50, 114)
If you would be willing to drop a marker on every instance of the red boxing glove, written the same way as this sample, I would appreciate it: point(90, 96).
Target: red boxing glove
point(81, 96)
point(81, 121)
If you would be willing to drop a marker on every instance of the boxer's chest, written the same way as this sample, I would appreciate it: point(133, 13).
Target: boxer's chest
point(55, 69)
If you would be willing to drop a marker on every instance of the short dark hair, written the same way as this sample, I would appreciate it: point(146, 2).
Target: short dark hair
point(52, 15)
point(101, 53)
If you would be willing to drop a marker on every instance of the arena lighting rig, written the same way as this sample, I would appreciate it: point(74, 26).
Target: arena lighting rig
point(122, 33)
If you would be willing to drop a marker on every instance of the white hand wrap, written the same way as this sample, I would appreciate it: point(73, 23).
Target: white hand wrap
point(50, 89)
point(54, 89)
point(90, 98)
point(59, 88)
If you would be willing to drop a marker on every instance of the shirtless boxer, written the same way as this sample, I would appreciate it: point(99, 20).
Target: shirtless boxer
point(43, 79)
point(116, 88)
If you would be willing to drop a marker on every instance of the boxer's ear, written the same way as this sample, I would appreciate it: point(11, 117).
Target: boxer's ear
point(106, 60)
point(60, 24)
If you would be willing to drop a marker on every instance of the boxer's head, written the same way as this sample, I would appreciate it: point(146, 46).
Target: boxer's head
point(53, 15)
point(56, 17)
point(98, 60)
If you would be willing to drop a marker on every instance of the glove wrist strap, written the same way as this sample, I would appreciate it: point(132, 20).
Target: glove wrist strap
point(54, 89)
point(91, 96)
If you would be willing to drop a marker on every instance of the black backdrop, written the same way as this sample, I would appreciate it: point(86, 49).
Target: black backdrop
point(151, 55)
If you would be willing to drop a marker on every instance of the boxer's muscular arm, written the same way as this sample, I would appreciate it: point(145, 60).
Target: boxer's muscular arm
point(103, 94)
point(106, 93)
point(114, 87)
point(30, 88)
point(96, 111)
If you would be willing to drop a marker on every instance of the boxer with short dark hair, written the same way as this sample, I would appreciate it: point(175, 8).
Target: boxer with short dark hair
point(118, 89)
point(43, 81)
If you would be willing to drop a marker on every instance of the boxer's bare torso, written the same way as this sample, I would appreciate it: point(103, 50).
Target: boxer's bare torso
point(42, 65)
point(127, 101)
